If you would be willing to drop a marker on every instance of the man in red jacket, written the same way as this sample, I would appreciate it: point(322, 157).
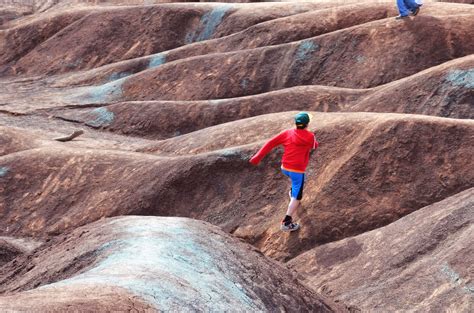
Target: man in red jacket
point(297, 144)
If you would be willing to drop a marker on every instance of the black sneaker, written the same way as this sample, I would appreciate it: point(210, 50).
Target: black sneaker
point(289, 227)
point(414, 13)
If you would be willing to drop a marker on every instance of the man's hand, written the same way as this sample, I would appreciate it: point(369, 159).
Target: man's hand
point(254, 161)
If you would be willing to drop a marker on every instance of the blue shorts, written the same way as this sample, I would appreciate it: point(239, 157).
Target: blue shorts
point(297, 183)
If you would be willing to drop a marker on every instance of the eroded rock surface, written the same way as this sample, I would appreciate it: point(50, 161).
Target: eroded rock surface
point(389, 164)
point(422, 262)
point(172, 263)
point(174, 98)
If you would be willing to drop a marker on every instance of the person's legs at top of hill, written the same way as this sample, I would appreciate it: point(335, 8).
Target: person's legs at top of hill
point(297, 144)
point(405, 7)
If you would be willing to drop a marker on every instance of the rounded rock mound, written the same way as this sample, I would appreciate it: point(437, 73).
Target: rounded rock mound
point(155, 263)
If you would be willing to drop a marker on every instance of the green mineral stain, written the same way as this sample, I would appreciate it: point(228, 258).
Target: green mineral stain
point(209, 23)
point(306, 49)
point(157, 60)
point(103, 117)
point(165, 257)
point(461, 78)
point(116, 76)
point(3, 171)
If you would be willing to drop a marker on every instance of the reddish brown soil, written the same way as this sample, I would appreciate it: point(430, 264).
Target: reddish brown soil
point(275, 67)
point(76, 269)
point(421, 262)
point(458, 1)
point(441, 91)
point(175, 98)
point(11, 248)
point(116, 33)
point(7, 252)
point(400, 163)
point(435, 91)
point(273, 32)
point(165, 119)
point(18, 41)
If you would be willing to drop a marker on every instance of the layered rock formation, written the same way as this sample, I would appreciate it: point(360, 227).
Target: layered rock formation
point(421, 262)
point(153, 263)
point(174, 98)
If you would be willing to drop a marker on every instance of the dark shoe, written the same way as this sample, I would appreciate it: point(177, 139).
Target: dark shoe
point(289, 227)
point(415, 12)
point(401, 17)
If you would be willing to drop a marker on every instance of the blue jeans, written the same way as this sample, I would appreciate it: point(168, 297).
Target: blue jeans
point(405, 6)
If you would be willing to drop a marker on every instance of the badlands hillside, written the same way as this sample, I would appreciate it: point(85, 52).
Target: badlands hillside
point(155, 207)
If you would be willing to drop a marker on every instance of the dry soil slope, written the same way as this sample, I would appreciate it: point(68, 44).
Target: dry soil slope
point(275, 31)
point(164, 119)
point(458, 1)
point(72, 185)
point(18, 39)
point(446, 90)
point(348, 58)
point(11, 247)
point(300, 57)
point(13, 140)
point(268, 33)
point(81, 38)
point(156, 263)
point(420, 263)
point(387, 164)
point(370, 170)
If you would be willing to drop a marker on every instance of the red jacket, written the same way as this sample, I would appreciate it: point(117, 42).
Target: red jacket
point(297, 144)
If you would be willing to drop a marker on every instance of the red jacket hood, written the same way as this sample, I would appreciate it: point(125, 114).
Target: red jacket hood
point(301, 137)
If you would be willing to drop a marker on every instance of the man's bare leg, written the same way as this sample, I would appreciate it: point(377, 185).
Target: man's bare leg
point(287, 223)
point(294, 204)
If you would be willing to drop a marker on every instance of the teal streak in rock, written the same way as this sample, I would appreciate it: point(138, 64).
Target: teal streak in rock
point(116, 76)
point(244, 83)
point(209, 23)
point(168, 266)
point(360, 58)
point(215, 102)
point(456, 278)
point(157, 60)
point(103, 117)
point(461, 78)
point(3, 171)
point(102, 93)
point(305, 50)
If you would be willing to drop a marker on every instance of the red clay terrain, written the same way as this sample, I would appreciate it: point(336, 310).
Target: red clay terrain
point(178, 264)
point(154, 205)
point(421, 262)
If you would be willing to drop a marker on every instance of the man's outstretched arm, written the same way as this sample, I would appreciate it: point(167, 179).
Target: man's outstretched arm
point(272, 143)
